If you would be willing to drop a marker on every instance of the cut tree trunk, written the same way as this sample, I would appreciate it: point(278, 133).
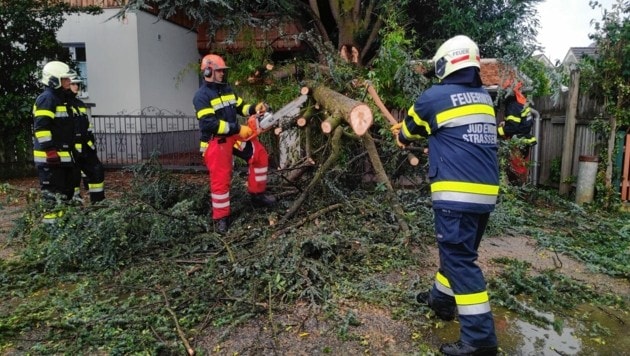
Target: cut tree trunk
point(330, 124)
point(357, 114)
point(334, 155)
point(289, 140)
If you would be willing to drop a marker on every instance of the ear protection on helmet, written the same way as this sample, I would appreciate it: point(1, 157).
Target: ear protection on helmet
point(54, 82)
point(207, 72)
point(440, 67)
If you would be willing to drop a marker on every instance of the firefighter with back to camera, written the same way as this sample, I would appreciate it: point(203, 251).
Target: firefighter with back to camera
point(457, 116)
point(84, 152)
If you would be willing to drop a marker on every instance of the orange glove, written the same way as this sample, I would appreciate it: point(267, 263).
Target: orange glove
point(245, 132)
point(395, 129)
point(261, 108)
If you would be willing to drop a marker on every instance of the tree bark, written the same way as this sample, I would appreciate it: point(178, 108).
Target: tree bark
point(382, 177)
point(357, 114)
point(334, 155)
point(289, 139)
point(569, 133)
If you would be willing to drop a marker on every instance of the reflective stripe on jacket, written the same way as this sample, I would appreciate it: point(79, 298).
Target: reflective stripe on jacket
point(83, 129)
point(460, 124)
point(217, 107)
point(53, 126)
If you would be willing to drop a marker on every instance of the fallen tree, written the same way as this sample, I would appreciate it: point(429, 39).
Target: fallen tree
point(338, 111)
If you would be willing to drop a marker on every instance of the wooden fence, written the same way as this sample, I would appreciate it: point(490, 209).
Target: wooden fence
point(551, 134)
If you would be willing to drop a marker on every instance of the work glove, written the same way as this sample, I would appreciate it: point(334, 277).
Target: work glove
point(52, 158)
point(245, 132)
point(261, 108)
point(395, 129)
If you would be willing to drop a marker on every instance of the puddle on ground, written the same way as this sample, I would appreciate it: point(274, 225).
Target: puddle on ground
point(589, 330)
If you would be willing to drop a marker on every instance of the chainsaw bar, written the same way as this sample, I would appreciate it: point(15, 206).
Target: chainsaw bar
point(291, 110)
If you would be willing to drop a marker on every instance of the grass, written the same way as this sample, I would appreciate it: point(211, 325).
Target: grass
point(110, 278)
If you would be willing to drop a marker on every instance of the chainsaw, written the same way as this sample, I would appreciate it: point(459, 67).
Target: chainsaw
point(263, 122)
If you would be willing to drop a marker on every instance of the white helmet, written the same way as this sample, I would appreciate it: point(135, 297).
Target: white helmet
point(54, 71)
point(75, 78)
point(454, 54)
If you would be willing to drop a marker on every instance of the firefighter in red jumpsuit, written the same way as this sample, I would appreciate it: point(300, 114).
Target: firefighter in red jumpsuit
point(517, 125)
point(222, 137)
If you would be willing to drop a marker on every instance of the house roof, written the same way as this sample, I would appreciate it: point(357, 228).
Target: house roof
point(575, 54)
point(541, 57)
point(580, 52)
point(105, 4)
point(283, 36)
point(495, 74)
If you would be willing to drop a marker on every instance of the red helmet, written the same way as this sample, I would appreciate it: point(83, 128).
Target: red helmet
point(211, 62)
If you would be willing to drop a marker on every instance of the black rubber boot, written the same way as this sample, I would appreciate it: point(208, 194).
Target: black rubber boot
point(460, 348)
point(443, 312)
point(263, 200)
point(222, 225)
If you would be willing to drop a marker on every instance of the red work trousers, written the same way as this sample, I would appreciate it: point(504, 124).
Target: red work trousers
point(219, 158)
point(518, 171)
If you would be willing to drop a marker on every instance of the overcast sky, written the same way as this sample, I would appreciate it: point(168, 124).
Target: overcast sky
point(565, 24)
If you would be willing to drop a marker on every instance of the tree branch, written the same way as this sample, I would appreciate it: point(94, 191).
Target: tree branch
point(372, 38)
point(180, 333)
point(334, 154)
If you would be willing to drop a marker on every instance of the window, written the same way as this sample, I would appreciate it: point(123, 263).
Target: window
point(78, 55)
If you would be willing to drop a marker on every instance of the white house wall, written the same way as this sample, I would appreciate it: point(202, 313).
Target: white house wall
point(169, 65)
point(130, 67)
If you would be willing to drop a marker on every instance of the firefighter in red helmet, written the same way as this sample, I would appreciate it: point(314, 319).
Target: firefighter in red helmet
point(222, 137)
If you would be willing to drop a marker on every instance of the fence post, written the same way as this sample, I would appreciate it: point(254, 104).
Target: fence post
point(569, 132)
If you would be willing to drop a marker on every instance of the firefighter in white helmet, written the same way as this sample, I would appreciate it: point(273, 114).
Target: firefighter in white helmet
point(84, 152)
point(53, 130)
point(222, 137)
point(457, 116)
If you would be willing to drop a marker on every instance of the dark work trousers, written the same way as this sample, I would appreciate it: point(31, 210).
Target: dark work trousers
point(88, 163)
point(459, 280)
point(56, 180)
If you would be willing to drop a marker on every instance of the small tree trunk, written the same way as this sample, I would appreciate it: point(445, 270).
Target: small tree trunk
point(569, 133)
point(331, 123)
point(381, 176)
point(411, 158)
point(289, 140)
point(334, 155)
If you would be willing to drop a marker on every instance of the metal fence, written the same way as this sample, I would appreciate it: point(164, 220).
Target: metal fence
point(124, 140)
